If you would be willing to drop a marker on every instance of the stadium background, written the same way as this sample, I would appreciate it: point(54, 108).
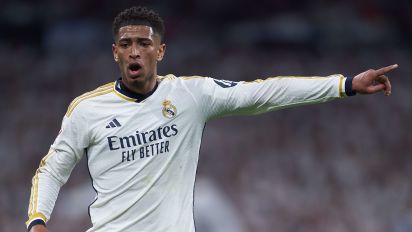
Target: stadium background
point(340, 166)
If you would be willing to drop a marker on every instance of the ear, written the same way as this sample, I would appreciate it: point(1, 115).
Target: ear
point(161, 52)
point(114, 50)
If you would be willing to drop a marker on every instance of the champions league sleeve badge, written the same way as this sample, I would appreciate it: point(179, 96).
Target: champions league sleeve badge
point(169, 110)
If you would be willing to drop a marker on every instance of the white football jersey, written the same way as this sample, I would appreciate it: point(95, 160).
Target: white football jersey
point(142, 155)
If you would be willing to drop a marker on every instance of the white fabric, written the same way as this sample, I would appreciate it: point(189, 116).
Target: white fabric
point(144, 170)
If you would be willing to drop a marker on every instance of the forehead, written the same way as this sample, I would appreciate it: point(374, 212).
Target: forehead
point(136, 31)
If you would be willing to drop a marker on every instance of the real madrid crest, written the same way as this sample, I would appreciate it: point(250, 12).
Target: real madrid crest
point(169, 110)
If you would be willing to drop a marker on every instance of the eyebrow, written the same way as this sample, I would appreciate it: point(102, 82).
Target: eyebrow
point(135, 38)
point(128, 39)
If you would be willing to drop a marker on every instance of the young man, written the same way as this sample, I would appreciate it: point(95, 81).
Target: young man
point(141, 134)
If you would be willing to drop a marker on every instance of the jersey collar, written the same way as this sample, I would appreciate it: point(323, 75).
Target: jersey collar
point(136, 97)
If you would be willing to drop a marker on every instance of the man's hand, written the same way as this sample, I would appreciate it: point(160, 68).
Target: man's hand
point(38, 228)
point(373, 81)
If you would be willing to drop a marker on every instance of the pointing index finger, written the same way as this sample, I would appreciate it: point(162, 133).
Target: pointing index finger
point(386, 69)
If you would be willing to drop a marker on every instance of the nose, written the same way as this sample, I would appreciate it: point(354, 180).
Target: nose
point(134, 53)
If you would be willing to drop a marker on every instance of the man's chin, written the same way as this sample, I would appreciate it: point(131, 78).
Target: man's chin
point(137, 76)
point(134, 77)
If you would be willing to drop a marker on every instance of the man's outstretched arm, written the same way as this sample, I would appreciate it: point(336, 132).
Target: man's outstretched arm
point(373, 81)
point(222, 98)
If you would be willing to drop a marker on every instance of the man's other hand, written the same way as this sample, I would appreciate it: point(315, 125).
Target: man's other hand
point(38, 228)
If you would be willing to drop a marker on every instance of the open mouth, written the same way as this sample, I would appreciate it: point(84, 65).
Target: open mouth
point(134, 67)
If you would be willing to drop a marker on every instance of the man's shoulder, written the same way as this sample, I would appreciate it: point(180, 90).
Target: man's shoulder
point(182, 80)
point(90, 95)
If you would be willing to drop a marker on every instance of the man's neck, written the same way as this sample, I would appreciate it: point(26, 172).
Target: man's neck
point(125, 90)
point(138, 87)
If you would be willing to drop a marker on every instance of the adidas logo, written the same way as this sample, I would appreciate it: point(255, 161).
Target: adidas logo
point(114, 123)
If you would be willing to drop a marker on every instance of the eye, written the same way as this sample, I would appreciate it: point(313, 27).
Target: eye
point(145, 43)
point(123, 44)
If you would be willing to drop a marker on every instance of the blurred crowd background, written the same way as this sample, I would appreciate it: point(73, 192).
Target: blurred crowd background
point(345, 165)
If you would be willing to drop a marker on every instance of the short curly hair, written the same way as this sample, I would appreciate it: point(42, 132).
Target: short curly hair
point(139, 15)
